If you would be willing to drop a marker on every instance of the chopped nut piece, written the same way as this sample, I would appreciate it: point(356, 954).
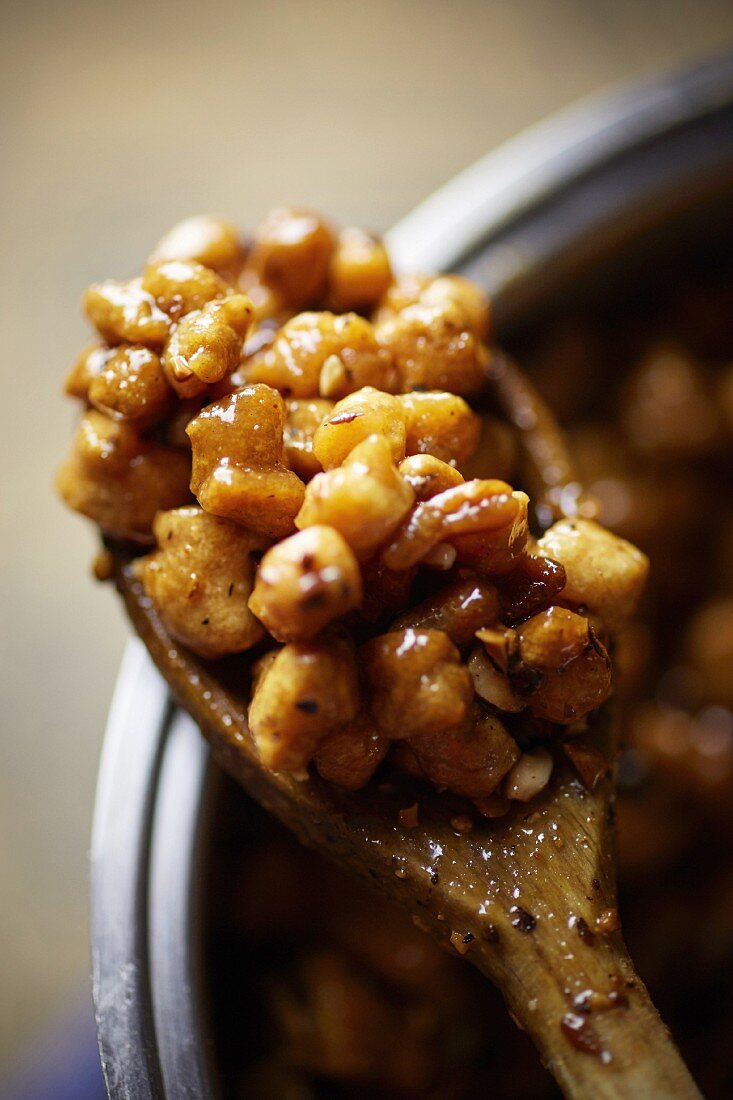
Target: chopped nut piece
point(440, 424)
point(606, 574)
point(490, 508)
point(350, 756)
point(131, 385)
point(363, 413)
point(304, 583)
point(428, 476)
point(365, 499)
point(206, 345)
point(126, 312)
point(119, 480)
point(359, 272)
point(417, 684)
point(470, 759)
point(291, 253)
point(493, 685)
point(199, 580)
point(212, 242)
point(324, 354)
point(308, 690)
point(529, 775)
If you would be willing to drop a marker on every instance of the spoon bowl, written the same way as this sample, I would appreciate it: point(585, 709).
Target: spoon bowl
point(529, 898)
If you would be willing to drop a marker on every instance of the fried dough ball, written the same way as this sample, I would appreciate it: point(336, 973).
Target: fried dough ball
point(124, 312)
point(446, 291)
point(237, 470)
point(403, 292)
point(304, 583)
point(181, 286)
point(359, 272)
point(131, 385)
point(212, 242)
point(459, 610)
point(427, 476)
point(363, 413)
point(470, 759)
point(463, 295)
point(87, 366)
point(200, 579)
point(489, 512)
point(306, 691)
point(302, 418)
point(574, 671)
point(119, 480)
point(606, 574)
point(440, 424)
point(324, 354)
point(350, 756)
point(206, 345)
point(417, 684)
point(434, 349)
point(365, 499)
point(291, 253)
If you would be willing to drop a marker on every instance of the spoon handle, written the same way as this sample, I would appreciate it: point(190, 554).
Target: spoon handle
point(607, 1045)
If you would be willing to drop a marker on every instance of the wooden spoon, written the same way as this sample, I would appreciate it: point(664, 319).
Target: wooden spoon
point(529, 898)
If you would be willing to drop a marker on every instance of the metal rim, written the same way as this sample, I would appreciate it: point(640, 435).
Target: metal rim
point(155, 784)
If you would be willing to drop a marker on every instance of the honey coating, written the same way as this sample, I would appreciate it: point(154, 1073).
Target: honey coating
point(201, 578)
point(358, 518)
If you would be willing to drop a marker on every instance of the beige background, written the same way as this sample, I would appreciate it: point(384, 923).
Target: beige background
point(116, 120)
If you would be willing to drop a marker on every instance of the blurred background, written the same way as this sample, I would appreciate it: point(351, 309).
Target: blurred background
point(118, 119)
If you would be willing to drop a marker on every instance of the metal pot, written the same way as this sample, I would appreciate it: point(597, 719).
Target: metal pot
point(573, 200)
